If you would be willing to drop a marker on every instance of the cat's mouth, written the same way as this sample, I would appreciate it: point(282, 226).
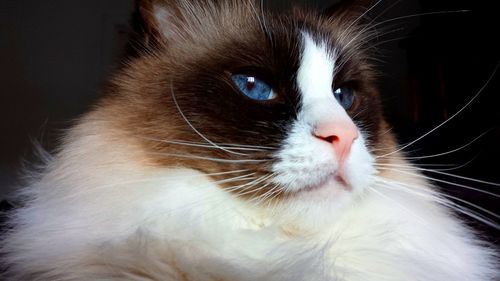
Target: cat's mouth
point(340, 178)
point(334, 180)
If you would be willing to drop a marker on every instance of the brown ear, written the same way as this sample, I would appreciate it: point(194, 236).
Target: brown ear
point(162, 20)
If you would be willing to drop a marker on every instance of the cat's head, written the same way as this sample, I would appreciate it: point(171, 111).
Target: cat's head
point(271, 106)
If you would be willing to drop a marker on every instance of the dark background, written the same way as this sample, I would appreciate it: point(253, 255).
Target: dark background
point(55, 55)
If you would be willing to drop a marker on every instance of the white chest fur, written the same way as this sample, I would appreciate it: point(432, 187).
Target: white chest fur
point(175, 222)
point(89, 219)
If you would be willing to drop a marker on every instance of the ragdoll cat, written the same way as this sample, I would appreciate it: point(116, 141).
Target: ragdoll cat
point(242, 145)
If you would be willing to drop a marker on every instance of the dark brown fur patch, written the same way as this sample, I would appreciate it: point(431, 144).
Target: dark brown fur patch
point(188, 76)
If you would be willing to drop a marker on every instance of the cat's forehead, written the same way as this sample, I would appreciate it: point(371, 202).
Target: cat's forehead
point(267, 39)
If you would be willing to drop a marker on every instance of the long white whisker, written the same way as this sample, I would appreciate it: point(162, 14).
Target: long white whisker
point(249, 146)
point(250, 184)
point(253, 184)
point(434, 197)
point(419, 15)
point(234, 179)
point(194, 129)
point(466, 211)
point(210, 158)
point(443, 181)
point(204, 145)
point(276, 193)
point(452, 166)
point(266, 195)
point(389, 40)
point(408, 167)
point(223, 144)
point(461, 177)
point(358, 19)
point(384, 11)
point(203, 198)
point(451, 151)
point(367, 27)
point(451, 118)
point(413, 166)
point(398, 204)
point(152, 179)
point(240, 186)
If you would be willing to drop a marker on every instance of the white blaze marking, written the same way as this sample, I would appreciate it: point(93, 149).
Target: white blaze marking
point(315, 79)
point(315, 76)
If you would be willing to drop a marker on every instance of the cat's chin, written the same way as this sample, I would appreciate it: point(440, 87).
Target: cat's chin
point(330, 191)
point(307, 206)
point(334, 181)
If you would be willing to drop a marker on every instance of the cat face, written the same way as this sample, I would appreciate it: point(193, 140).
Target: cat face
point(269, 106)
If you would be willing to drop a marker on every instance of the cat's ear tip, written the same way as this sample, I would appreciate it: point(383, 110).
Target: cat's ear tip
point(160, 19)
point(148, 8)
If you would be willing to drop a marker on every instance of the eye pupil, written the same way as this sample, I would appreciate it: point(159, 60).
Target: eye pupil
point(253, 87)
point(250, 83)
point(340, 97)
point(345, 96)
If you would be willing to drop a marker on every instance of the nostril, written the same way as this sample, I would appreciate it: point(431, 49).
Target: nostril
point(329, 139)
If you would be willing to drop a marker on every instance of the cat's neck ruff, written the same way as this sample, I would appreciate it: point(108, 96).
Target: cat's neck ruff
point(394, 236)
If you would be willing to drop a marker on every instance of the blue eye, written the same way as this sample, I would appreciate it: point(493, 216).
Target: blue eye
point(253, 87)
point(345, 96)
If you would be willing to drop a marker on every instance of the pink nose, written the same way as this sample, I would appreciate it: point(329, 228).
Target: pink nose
point(341, 134)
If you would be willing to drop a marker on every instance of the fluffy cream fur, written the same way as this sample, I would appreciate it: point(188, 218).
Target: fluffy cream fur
point(104, 210)
point(89, 218)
